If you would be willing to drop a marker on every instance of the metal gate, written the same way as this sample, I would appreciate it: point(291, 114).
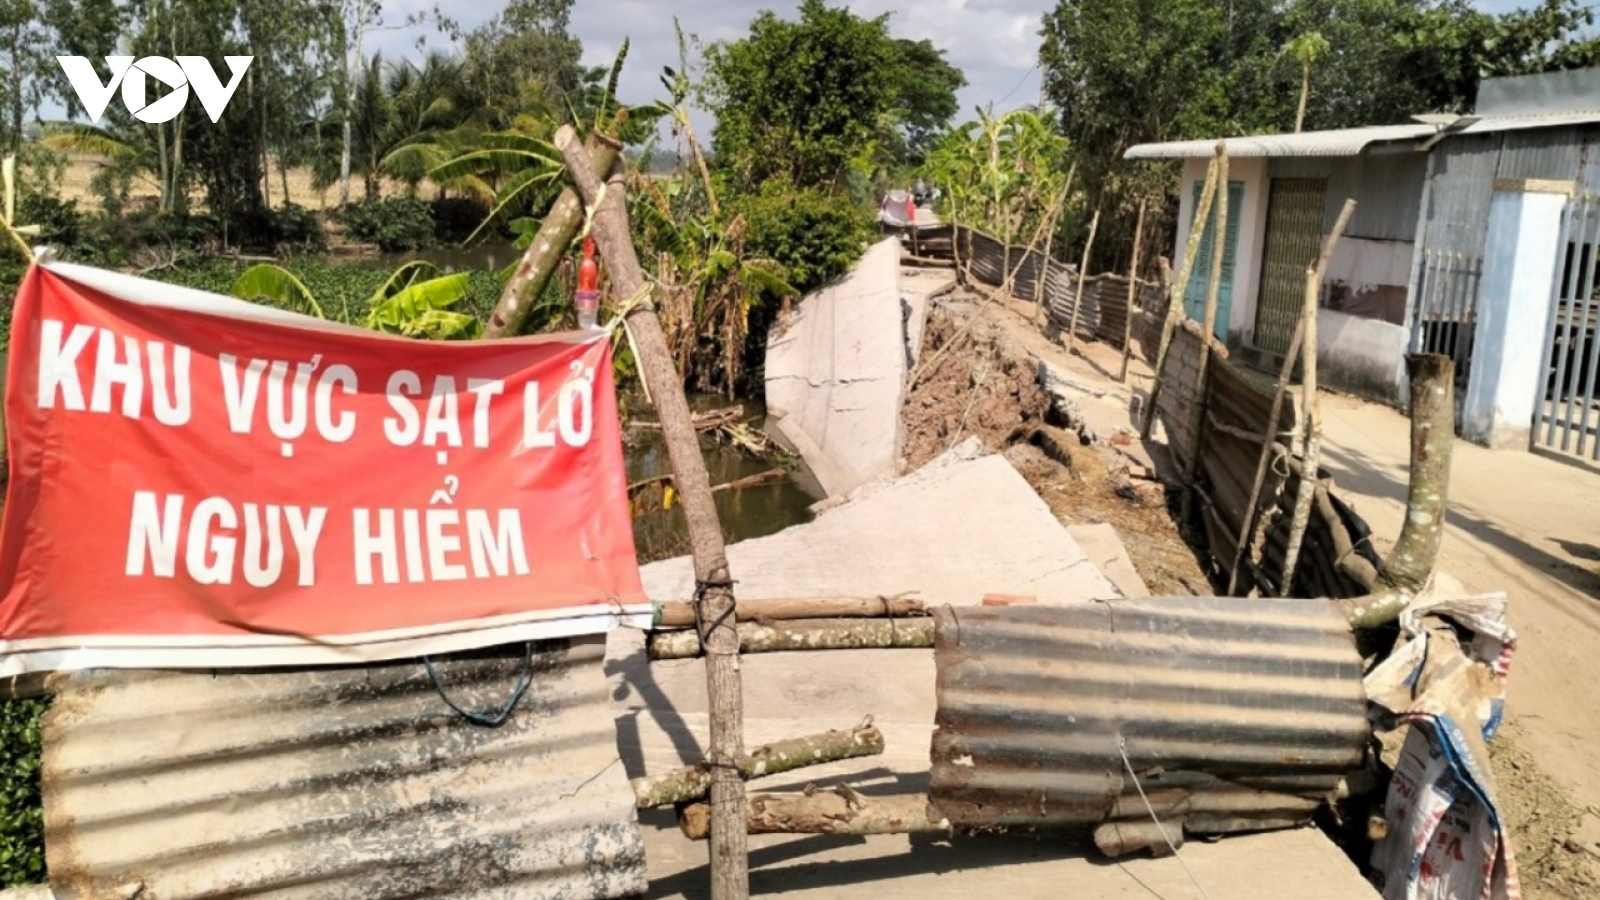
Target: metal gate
point(1294, 237)
point(1447, 309)
point(1567, 417)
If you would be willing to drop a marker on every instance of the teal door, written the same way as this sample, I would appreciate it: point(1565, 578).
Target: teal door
point(1194, 297)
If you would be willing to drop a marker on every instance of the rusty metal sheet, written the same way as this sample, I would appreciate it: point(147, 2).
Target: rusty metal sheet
point(1236, 714)
point(342, 783)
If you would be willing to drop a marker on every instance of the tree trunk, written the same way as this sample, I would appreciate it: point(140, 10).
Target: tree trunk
point(804, 634)
point(678, 614)
point(730, 876)
point(691, 783)
point(1305, 93)
point(1410, 563)
point(1312, 437)
point(840, 811)
point(540, 261)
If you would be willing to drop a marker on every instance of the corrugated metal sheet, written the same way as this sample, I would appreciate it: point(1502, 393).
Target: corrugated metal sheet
point(1545, 153)
point(1574, 90)
point(1236, 714)
point(1339, 142)
point(342, 783)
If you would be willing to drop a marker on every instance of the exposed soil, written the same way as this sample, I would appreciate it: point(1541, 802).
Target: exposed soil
point(1557, 844)
point(980, 381)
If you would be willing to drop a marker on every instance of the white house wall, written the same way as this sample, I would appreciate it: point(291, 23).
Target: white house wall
point(1252, 235)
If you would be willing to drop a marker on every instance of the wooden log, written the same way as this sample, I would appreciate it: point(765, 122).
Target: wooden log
point(1133, 291)
point(839, 811)
point(730, 864)
point(680, 614)
point(1312, 433)
point(706, 421)
point(691, 783)
point(804, 634)
point(543, 256)
point(734, 485)
point(1197, 227)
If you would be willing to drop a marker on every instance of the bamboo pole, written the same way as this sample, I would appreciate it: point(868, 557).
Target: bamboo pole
point(1133, 291)
point(1197, 227)
point(730, 873)
point(679, 614)
point(1197, 410)
point(839, 811)
point(1083, 272)
point(1311, 439)
point(1269, 439)
point(804, 634)
point(543, 256)
point(691, 783)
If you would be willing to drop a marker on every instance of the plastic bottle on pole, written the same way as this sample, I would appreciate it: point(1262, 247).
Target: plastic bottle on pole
point(588, 294)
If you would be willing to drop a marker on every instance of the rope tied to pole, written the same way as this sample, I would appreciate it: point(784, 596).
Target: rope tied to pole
point(492, 718)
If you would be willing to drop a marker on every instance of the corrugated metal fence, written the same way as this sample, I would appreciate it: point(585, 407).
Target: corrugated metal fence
point(1232, 714)
point(988, 260)
point(1337, 558)
point(342, 783)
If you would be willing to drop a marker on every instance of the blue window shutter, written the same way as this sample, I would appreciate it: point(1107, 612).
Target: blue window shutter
point(1194, 298)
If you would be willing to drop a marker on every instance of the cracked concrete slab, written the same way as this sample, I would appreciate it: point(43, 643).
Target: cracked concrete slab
point(835, 377)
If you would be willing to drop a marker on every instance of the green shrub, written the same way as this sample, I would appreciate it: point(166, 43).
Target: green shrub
point(456, 218)
point(21, 810)
point(60, 223)
point(395, 224)
point(816, 236)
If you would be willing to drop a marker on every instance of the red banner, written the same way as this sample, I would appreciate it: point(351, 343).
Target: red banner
point(202, 482)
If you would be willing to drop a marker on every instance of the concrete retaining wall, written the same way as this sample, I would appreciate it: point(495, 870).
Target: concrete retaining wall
point(1360, 355)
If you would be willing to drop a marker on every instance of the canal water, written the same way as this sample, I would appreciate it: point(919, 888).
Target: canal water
point(659, 529)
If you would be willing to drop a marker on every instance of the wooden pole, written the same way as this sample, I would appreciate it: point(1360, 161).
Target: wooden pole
point(540, 261)
point(803, 634)
point(1197, 228)
point(730, 874)
point(1197, 410)
point(839, 811)
point(1133, 291)
point(1049, 244)
point(1311, 439)
point(691, 783)
point(1269, 437)
point(1083, 272)
point(678, 614)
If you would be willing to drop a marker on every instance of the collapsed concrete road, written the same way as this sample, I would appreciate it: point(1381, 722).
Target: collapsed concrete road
point(955, 530)
point(836, 372)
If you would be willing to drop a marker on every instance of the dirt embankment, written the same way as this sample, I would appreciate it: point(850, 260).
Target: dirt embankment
point(976, 379)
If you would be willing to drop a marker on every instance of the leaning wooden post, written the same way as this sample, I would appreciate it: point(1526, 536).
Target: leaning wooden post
point(1133, 292)
point(540, 261)
point(1197, 409)
point(1197, 228)
point(1049, 243)
point(1083, 272)
point(730, 876)
point(1269, 438)
point(1311, 440)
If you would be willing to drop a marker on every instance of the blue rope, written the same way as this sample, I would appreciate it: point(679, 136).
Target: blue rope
point(488, 719)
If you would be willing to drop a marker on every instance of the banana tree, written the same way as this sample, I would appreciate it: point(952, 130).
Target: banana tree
point(414, 301)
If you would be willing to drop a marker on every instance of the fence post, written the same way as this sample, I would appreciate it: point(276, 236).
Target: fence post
point(1083, 271)
point(1133, 291)
point(1312, 439)
point(730, 876)
point(1197, 412)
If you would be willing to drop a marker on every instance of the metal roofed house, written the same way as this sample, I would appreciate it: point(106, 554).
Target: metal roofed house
point(1474, 236)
